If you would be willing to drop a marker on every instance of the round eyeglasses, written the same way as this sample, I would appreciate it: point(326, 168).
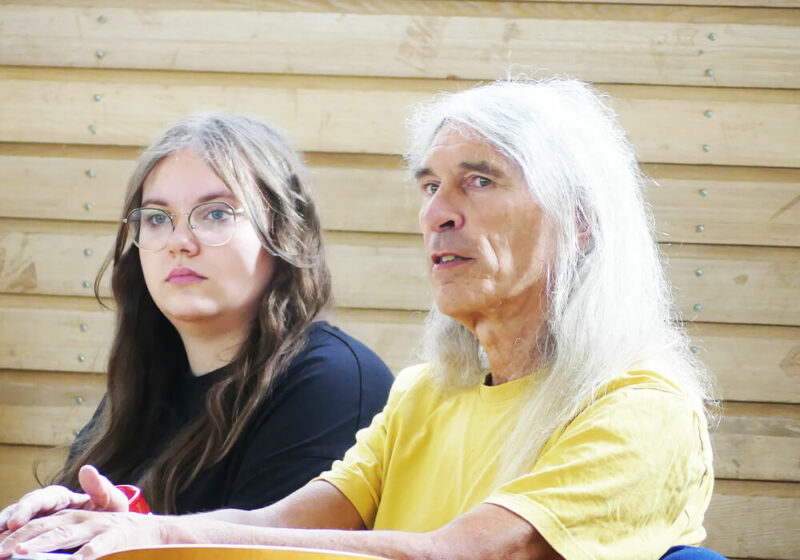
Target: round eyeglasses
point(213, 224)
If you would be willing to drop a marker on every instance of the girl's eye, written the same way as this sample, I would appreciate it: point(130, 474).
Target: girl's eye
point(157, 218)
point(216, 213)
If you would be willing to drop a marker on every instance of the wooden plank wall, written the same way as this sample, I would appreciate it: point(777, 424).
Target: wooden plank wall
point(707, 89)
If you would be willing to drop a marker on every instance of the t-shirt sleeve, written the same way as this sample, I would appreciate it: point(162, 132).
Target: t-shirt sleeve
point(618, 481)
point(359, 476)
point(310, 421)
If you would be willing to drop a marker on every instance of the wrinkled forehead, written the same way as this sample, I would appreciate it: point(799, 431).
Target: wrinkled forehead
point(459, 144)
point(454, 131)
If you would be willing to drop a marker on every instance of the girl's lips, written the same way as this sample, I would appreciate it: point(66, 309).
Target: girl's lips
point(185, 279)
point(184, 275)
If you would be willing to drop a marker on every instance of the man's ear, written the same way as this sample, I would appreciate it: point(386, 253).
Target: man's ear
point(584, 231)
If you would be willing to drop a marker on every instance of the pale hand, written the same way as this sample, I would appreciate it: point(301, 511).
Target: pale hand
point(100, 495)
point(99, 532)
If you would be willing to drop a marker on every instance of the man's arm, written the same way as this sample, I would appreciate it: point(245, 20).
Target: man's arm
point(486, 532)
point(317, 505)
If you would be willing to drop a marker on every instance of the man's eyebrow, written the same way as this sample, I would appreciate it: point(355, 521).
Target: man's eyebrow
point(204, 198)
point(422, 172)
point(482, 167)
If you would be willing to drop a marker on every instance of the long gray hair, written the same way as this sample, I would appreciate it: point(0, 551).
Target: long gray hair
point(609, 303)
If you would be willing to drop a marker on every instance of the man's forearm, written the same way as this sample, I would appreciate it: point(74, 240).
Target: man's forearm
point(259, 518)
point(487, 532)
point(388, 544)
point(318, 505)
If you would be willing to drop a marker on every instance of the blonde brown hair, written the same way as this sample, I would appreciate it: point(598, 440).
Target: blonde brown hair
point(267, 176)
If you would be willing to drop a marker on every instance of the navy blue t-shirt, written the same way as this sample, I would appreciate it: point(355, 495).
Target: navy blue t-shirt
point(331, 389)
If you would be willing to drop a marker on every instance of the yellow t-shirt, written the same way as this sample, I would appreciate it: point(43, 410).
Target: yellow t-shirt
point(629, 477)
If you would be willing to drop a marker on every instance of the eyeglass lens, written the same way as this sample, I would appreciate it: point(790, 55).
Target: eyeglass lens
point(213, 224)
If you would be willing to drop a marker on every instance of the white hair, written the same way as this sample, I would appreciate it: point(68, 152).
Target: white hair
point(609, 302)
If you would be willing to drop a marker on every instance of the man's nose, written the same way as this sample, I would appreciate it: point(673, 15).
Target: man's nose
point(442, 211)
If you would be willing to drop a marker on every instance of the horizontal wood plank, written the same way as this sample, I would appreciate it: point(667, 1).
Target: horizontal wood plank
point(758, 442)
point(736, 355)
point(46, 408)
point(666, 124)
point(734, 205)
point(55, 339)
point(64, 188)
point(711, 283)
point(751, 363)
point(745, 520)
point(20, 462)
point(736, 284)
point(580, 9)
point(44, 263)
point(633, 44)
point(743, 206)
point(753, 441)
point(754, 520)
point(46, 334)
point(737, 3)
point(393, 335)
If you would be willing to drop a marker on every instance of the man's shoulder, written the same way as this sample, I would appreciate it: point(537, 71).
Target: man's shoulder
point(647, 375)
point(414, 378)
point(645, 390)
point(416, 386)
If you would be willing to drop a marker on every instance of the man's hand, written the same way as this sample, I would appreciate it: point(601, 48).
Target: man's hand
point(100, 495)
point(99, 532)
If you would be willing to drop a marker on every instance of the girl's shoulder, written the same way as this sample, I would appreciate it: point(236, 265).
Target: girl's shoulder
point(332, 354)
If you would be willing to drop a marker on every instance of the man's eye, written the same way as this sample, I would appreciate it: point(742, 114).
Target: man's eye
point(480, 182)
point(430, 188)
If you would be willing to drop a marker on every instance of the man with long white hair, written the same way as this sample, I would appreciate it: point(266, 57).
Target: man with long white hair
point(559, 412)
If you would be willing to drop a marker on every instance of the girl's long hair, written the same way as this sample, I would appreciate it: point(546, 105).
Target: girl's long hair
point(268, 178)
point(609, 302)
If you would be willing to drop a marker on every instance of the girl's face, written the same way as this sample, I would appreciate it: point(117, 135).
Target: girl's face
point(190, 282)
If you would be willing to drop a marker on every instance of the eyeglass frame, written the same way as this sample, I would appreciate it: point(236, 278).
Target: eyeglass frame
point(173, 218)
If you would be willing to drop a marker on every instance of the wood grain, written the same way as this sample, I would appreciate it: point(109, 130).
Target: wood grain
point(625, 44)
point(751, 363)
point(45, 335)
point(754, 519)
point(735, 284)
point(758, 442)
point(747, 519)
point(742, 206)
point(55, 406)
point(46, 408)
point(360, 115)
point(21, 465)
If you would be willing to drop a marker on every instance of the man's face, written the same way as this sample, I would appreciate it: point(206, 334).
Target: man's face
point(489, 245)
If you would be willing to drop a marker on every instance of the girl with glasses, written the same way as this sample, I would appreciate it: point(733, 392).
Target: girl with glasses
point(225, 389)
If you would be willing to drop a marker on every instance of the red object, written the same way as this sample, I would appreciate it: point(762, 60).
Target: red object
point(136, 502)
